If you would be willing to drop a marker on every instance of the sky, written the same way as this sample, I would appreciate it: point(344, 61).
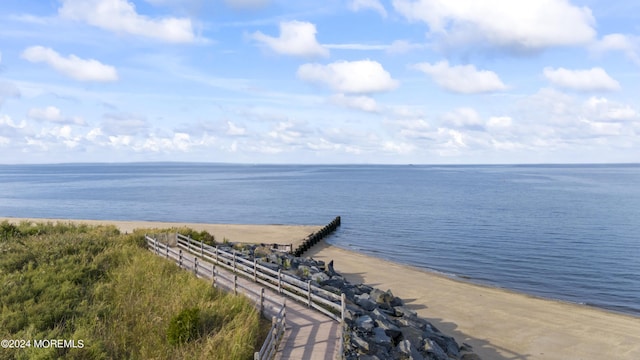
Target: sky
point(320, 82)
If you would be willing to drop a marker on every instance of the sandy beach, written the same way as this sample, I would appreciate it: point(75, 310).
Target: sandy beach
point(498, 323)
point(267, 234)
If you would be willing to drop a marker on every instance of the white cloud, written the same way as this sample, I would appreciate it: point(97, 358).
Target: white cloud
point(120, 16)
point(464, 118)
point(179, 142)
point(72, 66)
point(297, 38)
point(499, 123)
point(595, 79)
point(357, 5)
point(5, 120)
point(602, 109)
point(53, 114)
point(362, 76)
point(403, 46)
point(285, 133)
point(234, 130)
point(247, 4)
point(119, 141)
point(450, 141)
point(356, 46)
point(627, 44)
point(513, 25)
point(94, 134)
point(415, 129)
point(465, 79)
point(398, 147)
point(604, 128)
point(364, 103)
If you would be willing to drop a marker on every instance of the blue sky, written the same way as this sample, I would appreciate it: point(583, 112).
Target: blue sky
point(350, 81)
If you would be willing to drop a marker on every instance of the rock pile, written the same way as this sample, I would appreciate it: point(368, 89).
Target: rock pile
point(378, 325)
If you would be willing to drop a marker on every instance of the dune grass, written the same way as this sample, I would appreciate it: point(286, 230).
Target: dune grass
point(79, 282)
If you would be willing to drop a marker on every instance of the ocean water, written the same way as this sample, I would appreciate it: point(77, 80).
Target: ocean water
point(567, 232)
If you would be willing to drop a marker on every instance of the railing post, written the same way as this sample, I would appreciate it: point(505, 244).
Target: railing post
point(342, 324)
point(343, 308)
point(284, 313)
point(195, 266)
point(235, 284)
point(279, 281)
point(201, 248)
point(156, 242)
point(261, 301)
point(215, 248)
point(255, 270)
point(234, 261)
point(180, 263)
point(167, 251)
point(189, 241)
point(213, 275)
point(309, 292)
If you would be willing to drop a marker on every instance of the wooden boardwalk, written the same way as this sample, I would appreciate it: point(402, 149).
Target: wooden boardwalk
point(309, 334)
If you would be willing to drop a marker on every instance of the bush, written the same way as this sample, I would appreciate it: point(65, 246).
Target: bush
point(184, 326)
point(8, 230)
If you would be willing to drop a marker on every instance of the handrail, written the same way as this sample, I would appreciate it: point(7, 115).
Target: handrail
point(320, 299)
point(276, 332)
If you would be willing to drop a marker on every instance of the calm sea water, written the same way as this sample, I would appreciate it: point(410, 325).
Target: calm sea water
point(568, 232)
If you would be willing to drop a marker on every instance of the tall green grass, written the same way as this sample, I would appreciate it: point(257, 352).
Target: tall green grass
point(96, 285)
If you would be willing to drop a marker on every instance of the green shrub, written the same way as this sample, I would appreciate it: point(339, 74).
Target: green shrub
point(184, 326)
point(8, 230)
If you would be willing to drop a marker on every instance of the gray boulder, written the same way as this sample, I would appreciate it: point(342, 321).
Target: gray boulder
point(365, 322)
point(361, 344)
point(381, 338)
point(434, 350)
point(365, 302)
point(409, 352)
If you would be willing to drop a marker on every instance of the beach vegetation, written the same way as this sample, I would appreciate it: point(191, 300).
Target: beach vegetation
point(203, 236)
point(80, 282)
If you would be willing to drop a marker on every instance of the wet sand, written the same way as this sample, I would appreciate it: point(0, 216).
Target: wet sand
point(498, 323)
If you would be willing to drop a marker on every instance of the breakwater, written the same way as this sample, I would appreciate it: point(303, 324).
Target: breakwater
point(315, 237)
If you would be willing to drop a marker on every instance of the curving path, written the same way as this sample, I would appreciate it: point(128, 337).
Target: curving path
point(308, 335)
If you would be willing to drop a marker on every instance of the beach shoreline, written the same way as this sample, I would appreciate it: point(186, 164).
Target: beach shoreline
point(244, 233)
point(498, 323)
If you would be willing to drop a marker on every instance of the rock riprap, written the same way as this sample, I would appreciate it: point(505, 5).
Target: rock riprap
point(378, 325)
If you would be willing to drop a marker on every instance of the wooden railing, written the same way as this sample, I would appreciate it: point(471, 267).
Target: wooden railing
point(326, 302)
point(276, 332)
point(270, 345)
